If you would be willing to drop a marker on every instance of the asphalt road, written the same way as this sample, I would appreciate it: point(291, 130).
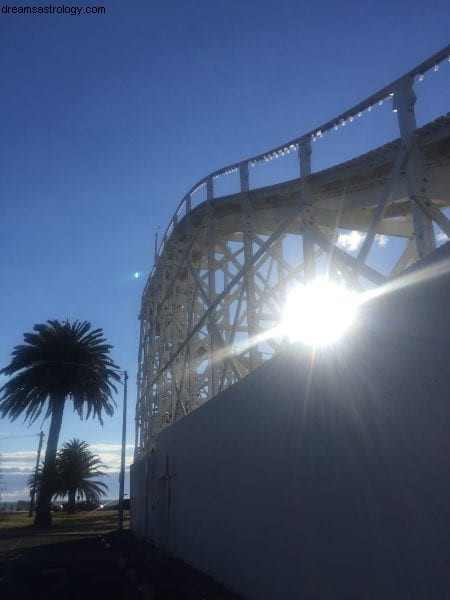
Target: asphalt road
point(97, 565)
point(62, 566)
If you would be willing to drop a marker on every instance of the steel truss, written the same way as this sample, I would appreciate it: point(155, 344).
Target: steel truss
point(218, 288)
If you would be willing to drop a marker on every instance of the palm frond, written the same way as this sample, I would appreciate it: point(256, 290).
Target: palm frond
point(76, 470)
point(60, 360)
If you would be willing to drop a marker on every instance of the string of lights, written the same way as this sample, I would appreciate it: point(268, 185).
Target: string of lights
point(431, 65)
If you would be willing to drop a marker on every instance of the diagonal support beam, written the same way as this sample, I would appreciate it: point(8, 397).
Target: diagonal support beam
point(212, 327)
point(434, 213)
point(383, 204)
point(256, 256)
point(338, 254)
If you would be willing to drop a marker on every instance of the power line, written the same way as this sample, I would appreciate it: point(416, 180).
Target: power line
point(13, 437)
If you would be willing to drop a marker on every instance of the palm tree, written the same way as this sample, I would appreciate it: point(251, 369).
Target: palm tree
point(59, 361)
point(75, 467)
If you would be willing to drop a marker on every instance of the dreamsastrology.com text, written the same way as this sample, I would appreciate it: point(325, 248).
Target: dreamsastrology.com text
point(50, 10)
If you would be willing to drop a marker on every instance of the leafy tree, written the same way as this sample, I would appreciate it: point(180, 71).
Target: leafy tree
point(58, 361)
point(75, 468)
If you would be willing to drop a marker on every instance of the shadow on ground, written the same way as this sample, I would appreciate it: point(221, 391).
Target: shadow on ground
point(60, 565)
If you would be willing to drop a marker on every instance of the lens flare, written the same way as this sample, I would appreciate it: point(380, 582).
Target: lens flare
point(318, 314)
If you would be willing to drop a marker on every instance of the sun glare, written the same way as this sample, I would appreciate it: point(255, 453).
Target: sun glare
point(319, 313)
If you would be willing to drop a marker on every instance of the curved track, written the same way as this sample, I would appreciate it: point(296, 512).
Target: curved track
point(224, 267)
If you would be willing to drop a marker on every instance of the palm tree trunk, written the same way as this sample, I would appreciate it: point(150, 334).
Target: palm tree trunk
point(43, 513)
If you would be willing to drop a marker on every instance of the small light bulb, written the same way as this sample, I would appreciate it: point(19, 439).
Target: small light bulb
point(421, 77)
point(436, 68)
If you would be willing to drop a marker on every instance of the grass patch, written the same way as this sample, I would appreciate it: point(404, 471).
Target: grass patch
point(79, 522)
point(12, 520)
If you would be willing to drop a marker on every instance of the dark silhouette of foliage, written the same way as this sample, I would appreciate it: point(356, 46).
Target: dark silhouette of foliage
point(58, 361)
point(34, 482)
point(75, 468)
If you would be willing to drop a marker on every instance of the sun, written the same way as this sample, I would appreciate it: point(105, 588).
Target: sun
point(318, 314)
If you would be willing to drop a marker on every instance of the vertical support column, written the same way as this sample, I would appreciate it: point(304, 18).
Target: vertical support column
point(277, 253)
point(190, 303)
point(154, 358)
point(247, 229)
point(173, 366)
point(189, 299)
point(212, 368)
point(226, 323)
point(147, 394)
point(404, 101)
point(209, 189)
point(163, 356)
point(244, 177)
point(304, 153)
point(141, 377)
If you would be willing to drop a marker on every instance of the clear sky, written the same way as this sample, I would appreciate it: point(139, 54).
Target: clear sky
point(108, 119)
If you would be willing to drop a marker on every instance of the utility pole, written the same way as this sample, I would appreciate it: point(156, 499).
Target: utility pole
point(122, 458)
point(36, 470)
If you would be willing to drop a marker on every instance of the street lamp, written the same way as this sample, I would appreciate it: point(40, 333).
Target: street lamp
point(122, 458)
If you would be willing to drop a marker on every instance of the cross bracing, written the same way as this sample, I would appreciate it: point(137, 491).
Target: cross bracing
point(225, 266)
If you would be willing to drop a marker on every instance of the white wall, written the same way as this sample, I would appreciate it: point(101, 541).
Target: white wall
point(321, 476)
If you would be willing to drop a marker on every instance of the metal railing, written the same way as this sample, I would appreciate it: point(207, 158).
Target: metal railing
point(387, 93)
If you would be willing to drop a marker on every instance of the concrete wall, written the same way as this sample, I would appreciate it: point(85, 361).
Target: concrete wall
point(319, 475)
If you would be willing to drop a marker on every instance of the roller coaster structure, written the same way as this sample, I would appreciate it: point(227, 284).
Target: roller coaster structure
point(225, 265)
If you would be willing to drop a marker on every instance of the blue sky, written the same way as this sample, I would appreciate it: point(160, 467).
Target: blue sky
point(108, 120)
